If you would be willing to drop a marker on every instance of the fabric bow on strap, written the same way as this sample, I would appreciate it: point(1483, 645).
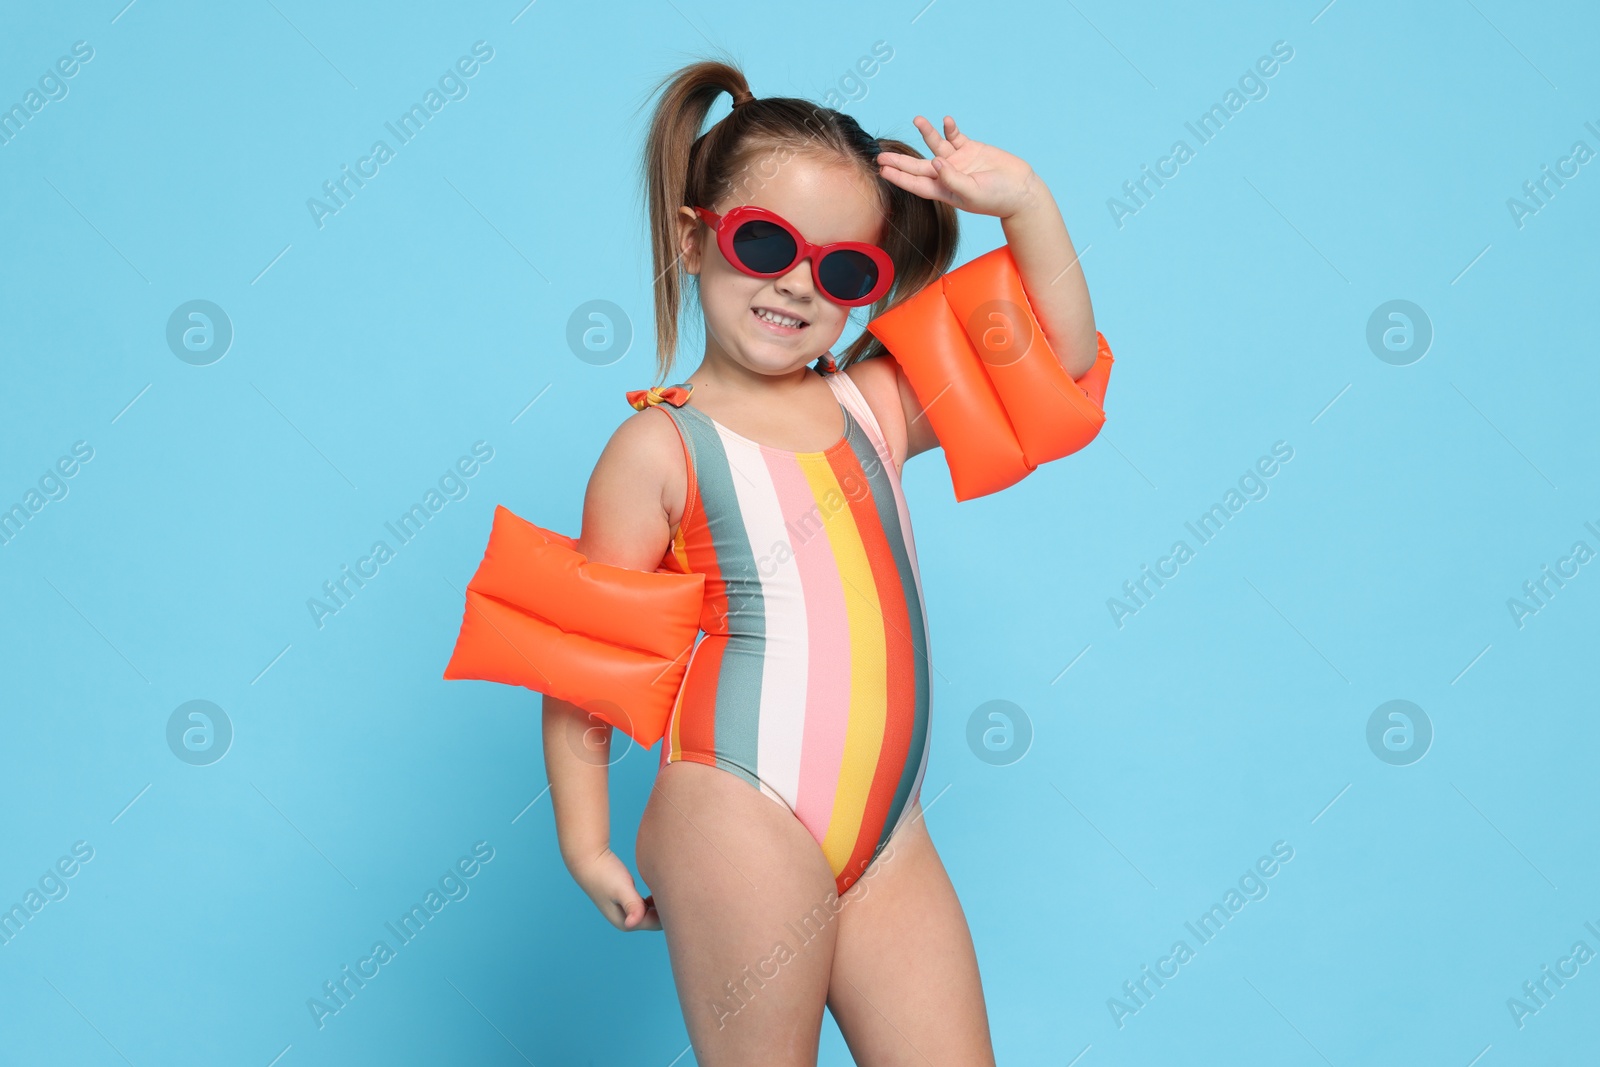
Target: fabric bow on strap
point(672, 394)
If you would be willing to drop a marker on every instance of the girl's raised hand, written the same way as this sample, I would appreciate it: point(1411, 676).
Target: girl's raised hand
point(973, 176)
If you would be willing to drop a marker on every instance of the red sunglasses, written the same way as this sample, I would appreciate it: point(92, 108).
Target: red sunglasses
point(761, 244)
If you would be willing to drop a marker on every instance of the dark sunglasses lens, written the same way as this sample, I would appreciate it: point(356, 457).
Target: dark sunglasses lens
point(848, 275)
point(763, 246)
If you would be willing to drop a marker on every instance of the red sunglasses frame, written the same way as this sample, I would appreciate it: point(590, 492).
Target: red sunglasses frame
point(726, 225)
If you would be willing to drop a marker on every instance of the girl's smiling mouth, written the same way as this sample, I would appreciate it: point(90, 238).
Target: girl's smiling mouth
point(778, 322)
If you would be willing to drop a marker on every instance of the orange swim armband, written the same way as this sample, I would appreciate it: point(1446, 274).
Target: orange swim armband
point(612, 640)
point(977, 358)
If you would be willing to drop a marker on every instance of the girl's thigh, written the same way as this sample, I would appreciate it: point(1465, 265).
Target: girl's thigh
point(905, 986)
point(741, 888)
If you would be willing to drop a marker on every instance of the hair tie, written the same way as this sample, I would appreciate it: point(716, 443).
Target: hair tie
point(746, 98)
point(676, 395)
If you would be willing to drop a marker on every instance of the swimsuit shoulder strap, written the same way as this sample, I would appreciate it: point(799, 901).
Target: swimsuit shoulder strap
point(855, 402)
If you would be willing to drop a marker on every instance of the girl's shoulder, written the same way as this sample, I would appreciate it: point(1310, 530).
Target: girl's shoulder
point(640, 480)
point(884, 388)
point(647, 444)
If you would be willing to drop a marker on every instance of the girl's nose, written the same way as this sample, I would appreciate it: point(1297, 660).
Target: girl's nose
point(797, 281)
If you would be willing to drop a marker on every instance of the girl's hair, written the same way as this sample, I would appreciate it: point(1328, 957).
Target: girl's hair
point(683, 167)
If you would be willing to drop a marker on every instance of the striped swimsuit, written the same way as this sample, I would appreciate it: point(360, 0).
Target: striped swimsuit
point(811, 682)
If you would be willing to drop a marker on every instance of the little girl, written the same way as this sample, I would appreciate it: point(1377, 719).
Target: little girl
point(783, 841)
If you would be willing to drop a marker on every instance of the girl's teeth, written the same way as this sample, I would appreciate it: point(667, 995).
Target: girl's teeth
point(768, 316)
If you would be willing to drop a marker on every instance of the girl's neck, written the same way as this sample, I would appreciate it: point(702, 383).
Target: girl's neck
point(726, 378)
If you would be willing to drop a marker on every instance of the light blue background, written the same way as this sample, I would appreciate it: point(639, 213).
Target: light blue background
point(1228, 714)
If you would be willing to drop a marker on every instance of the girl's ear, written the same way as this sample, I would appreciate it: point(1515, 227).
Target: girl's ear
point(688, 239)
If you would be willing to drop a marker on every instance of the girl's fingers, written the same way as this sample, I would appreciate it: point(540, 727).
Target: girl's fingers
point(962, 184)
point(955, 136)
point(909, 164)
point(927, 188)
point(639, 914)
point(936, 144)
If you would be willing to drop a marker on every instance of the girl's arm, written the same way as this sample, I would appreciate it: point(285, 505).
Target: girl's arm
point(1052, 276)
point(625, 524)
point(577, 753)
point(984, 179)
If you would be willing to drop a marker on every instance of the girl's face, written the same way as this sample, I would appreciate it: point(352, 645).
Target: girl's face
point(826, 201)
